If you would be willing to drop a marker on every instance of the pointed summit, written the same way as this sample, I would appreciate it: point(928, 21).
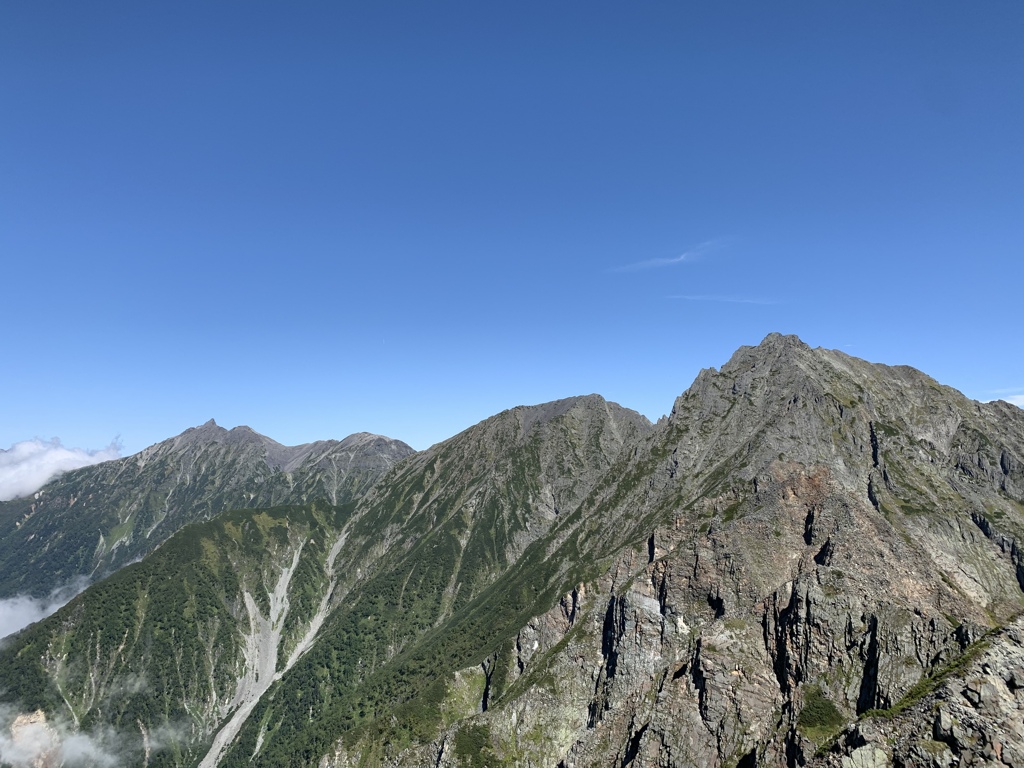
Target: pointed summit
point(774, 347)
point(777, 340)
point(209, 431)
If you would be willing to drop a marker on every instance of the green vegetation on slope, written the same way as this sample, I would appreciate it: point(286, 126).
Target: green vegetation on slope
point(159, 642)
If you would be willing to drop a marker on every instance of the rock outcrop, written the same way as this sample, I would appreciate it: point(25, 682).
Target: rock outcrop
point(807, 542)
point(814, 560)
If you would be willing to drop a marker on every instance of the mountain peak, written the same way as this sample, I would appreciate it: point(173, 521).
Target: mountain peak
point(777, 339)
point(809, 532)
point(532, 415)
point(774, 346)
point(208, 432)
point(212, 433)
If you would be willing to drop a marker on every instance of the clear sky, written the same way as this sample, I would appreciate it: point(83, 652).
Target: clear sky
point(323, 218)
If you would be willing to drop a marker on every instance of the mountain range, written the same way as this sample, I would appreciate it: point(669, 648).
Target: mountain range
point(813, 560)
point(91, 521)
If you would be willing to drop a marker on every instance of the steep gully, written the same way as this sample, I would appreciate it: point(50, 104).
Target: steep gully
point(262, 644)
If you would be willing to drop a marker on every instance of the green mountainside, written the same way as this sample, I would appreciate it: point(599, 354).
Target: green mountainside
point(813, 560)
point(91, 521)
point(165, 644)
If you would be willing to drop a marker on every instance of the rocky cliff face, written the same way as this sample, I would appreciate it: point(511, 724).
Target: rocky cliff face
point(813, 560)
point(809, 544)
point(91, 521)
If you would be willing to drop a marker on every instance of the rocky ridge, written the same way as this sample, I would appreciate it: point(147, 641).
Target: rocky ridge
point(91, 521)
point(432, 538)
point(807, 539)
point(814, 560)
point(270, 591)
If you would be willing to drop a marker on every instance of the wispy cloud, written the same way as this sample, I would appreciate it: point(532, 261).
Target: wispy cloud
point(29, 739)
point(1013, 395)
point(29, 465)
point(689, 255)
point(21, 610)
point(726, 299)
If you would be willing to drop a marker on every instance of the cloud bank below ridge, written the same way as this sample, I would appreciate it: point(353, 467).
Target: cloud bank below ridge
point(30, 464)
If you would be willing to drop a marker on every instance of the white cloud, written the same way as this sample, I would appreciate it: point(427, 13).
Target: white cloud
point(21, 610)
point(30, 739)
point(689, 255)
point(87, 750)
point(1016, 399)
point(31, 742)
point(29, 465)
point(666, 262)
point(726, 299)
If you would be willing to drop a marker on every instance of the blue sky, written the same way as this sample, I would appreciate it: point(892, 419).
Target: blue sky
point(322, 218)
